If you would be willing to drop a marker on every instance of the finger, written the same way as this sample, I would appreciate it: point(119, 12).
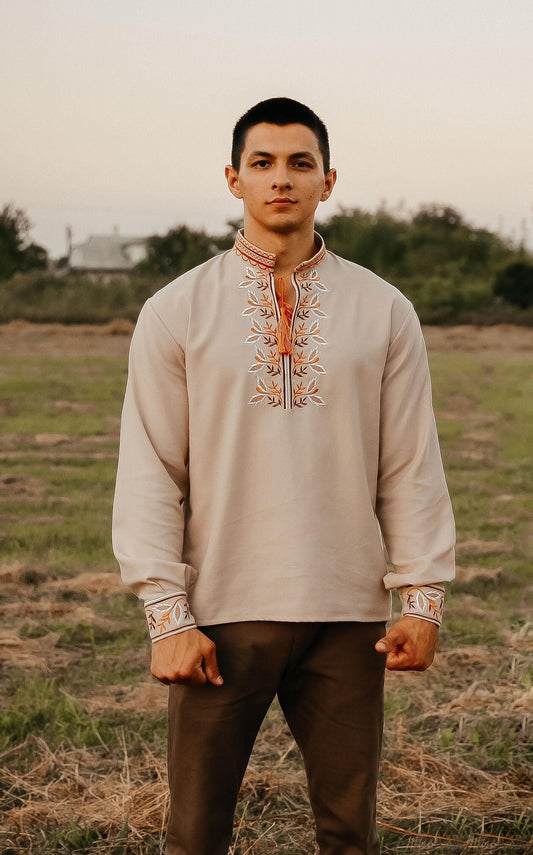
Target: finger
point(190, 678)
point(382, 646)
point(163, 680)
point(397, 661)
point(197, 677)
point(211, 667)
point(405, 659)
point(394, 639)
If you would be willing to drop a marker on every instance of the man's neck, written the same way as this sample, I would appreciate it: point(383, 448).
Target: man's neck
point(290, 249)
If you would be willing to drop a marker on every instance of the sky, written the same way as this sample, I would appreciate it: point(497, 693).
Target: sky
point(118, 113)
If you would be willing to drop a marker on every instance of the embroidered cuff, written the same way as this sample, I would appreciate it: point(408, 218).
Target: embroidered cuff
point(168, 615)
point(424, 601)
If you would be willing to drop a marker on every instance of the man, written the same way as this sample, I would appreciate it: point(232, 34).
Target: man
point(277, 429)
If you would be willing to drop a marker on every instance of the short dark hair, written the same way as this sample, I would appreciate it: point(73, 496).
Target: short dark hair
point(279, 111)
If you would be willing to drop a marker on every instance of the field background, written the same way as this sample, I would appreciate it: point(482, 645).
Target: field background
point(82, 724)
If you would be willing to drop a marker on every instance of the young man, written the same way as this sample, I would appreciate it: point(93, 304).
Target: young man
point(277, 429)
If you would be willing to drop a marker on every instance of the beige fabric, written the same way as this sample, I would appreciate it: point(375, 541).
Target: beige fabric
point(255, 482)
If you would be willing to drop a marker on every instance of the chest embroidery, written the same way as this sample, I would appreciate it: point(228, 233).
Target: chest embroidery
point(285, 380)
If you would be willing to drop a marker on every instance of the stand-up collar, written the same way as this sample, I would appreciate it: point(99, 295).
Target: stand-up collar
point(266, 260)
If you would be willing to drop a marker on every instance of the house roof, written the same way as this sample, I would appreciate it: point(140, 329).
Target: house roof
point(108, 252)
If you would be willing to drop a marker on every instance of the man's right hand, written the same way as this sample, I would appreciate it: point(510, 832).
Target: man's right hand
point(188, 657)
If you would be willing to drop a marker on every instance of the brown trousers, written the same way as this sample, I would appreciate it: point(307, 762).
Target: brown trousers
point(329, 682)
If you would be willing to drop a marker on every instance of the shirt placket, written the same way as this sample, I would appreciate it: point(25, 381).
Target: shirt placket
point(286, 358)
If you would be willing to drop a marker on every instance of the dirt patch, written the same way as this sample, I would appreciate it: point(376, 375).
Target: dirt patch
point(479, 436)
point(481, 456)
point(522, 639)
point(18, 573)
point(10, 573)
point(472, 654)
point(482, 547)
point(73, 407)
point(18, 485)
point(468, 574)
point(146, 697)
point(103, 584)
point(32, 654)
point(50, 439)
point(46, 609)
point(500, 337)
point(20, 338)
point(493, 700)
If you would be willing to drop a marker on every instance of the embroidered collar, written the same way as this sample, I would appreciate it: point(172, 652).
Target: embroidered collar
point(266, 260)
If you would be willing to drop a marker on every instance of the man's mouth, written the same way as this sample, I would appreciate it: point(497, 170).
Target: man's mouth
point(282, 201)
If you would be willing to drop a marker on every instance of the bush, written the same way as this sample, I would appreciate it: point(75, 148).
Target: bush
point(74, 299)
point(515, 284)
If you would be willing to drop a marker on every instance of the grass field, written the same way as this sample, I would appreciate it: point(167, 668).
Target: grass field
point(82, 724)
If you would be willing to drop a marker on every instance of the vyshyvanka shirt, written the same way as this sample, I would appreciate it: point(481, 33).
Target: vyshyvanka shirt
point(259, 485)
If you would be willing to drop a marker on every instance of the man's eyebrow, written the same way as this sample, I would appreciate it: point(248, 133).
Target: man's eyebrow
point(303, 154)
point(296, 156)
point(259, 154)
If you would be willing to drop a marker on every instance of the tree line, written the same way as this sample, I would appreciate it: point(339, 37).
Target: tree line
point(452, 271)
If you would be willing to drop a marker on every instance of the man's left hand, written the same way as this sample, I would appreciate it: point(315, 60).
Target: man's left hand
point(409, 644)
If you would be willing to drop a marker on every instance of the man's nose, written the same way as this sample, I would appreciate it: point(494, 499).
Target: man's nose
point(281, 178)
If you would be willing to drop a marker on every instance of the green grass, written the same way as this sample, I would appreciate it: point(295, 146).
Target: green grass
point(45, 708)
point(83, 839)
point(94, 388)
point(75, 499)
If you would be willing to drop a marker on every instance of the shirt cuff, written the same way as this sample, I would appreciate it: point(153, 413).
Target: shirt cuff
point(168, 615)
point(423, 601)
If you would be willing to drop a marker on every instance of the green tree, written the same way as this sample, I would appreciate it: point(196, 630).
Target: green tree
point(376, 241)
point(177, 251)
point(442, 242)
point(17, 252)
point(515, 284)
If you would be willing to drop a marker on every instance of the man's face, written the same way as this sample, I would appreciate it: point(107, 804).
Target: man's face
point(281, 179)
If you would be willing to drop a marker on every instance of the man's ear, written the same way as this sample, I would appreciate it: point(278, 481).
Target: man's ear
point(232, 177)
point(329, 184)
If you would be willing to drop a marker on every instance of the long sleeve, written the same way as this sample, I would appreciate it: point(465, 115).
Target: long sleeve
point(413, 505)
point(152, 476)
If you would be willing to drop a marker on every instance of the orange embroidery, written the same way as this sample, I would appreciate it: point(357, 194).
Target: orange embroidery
point(271, 393)
point(286, 342)
point(168, 614)
point(424, 601)
point(284, 330)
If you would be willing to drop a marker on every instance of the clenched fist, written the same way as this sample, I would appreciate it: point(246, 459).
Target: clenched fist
point(409, 644)
point(188, 657)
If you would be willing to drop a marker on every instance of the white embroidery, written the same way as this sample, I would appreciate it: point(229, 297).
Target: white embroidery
point(168, 615)
point(426, 601)
point(307, 338)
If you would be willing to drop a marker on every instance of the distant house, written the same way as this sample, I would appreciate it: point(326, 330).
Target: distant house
point(104, 254)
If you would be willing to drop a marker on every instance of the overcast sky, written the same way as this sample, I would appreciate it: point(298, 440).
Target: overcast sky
point(119, 112)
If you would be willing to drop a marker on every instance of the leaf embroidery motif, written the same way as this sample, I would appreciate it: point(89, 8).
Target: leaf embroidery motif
point(306, 336)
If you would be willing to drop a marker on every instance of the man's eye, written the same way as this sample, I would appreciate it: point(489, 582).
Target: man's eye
point(261, 163)
point(302, 164)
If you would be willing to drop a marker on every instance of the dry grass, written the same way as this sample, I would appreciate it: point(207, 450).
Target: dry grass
point(84, 786)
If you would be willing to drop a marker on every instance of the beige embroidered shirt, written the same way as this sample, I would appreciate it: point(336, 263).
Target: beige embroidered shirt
point(255, 485)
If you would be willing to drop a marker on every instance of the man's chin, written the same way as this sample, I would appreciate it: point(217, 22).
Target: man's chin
point(281, 227)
